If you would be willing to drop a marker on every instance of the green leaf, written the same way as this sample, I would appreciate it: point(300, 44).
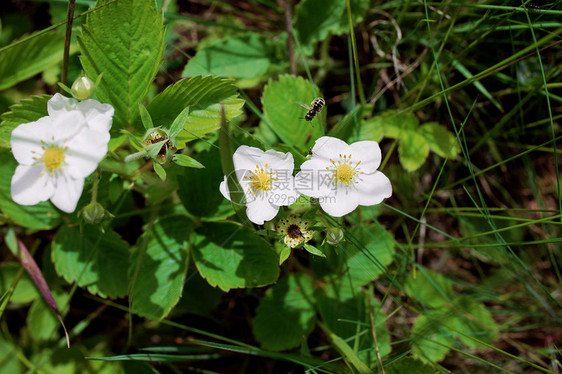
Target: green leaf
point(29, 56)
point(435, 331)
point(316, 19)
point(42, 216)
point(179, 123)
point(313, 250)
point(369, 251)
point(412, 151)
point(286, 314)
point(145, 117)
point(159, 266)
point(204, 97)
point(134, 140)
point(25, 291)
point(230, 256)
point(280, 105)
point(198, 297)
point(395, 124)
point(199, 188)
point(348, 127)
point(92, 259)
point(186, 161)
point(240, 57)
point(28, 110)
point(159, 169)
point(372, 129)
point(9, 358)
point(441, 140)
point(346, 311)
point(409, 365)
point(431, 289)
point(129, 55)
point(42, 322)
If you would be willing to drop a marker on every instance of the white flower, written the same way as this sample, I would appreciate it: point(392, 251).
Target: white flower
point(57, 152)
point(343, 176)
point(98, 116)
point(267, 181)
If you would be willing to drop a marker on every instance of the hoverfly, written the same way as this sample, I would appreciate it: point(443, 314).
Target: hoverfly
point(315, 107)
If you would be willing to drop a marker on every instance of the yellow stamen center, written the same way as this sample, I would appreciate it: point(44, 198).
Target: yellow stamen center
point(260, 179)
point(53, 158)
point(344, 170)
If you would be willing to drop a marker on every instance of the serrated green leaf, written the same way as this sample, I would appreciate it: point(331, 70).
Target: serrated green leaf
point(198, 189)
point(129, 55)
point(159, 169)
point(230, 256)
point(431, 289)
point(159, 266)
point(29, 57)
point(186, 161)
point(25, 291)
point(286, 314)
point(240, 57)
point(440, 140)
point(280, 105)
point(369, 251)
point(28, 110)
point(412, 151)
point(42, 216)
point(204, 97)
point(92, 259)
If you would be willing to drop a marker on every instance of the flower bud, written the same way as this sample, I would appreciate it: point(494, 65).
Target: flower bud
point(83, 88)
point(93, 213)
point(158, 145)
point(334, 236)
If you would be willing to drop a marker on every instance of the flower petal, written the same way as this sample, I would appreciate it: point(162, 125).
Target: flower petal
point(328, 147)
point(26, 140)
point(342, 201)
point(373, 188)
point(59, 104)
point(98, 116)
point(280, 161)
point(65, 126)
point(246, 158)
point(84, 153)
point(31, 185)
point(223, 188)
point(67, 193)
point(313, 179)
point(369, 153)
point(260, 210)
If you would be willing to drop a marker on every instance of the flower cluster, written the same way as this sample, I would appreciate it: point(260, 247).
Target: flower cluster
point(339, 175)
point(57, 152)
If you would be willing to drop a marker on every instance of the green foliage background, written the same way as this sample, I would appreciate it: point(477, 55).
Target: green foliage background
point(458, 272)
